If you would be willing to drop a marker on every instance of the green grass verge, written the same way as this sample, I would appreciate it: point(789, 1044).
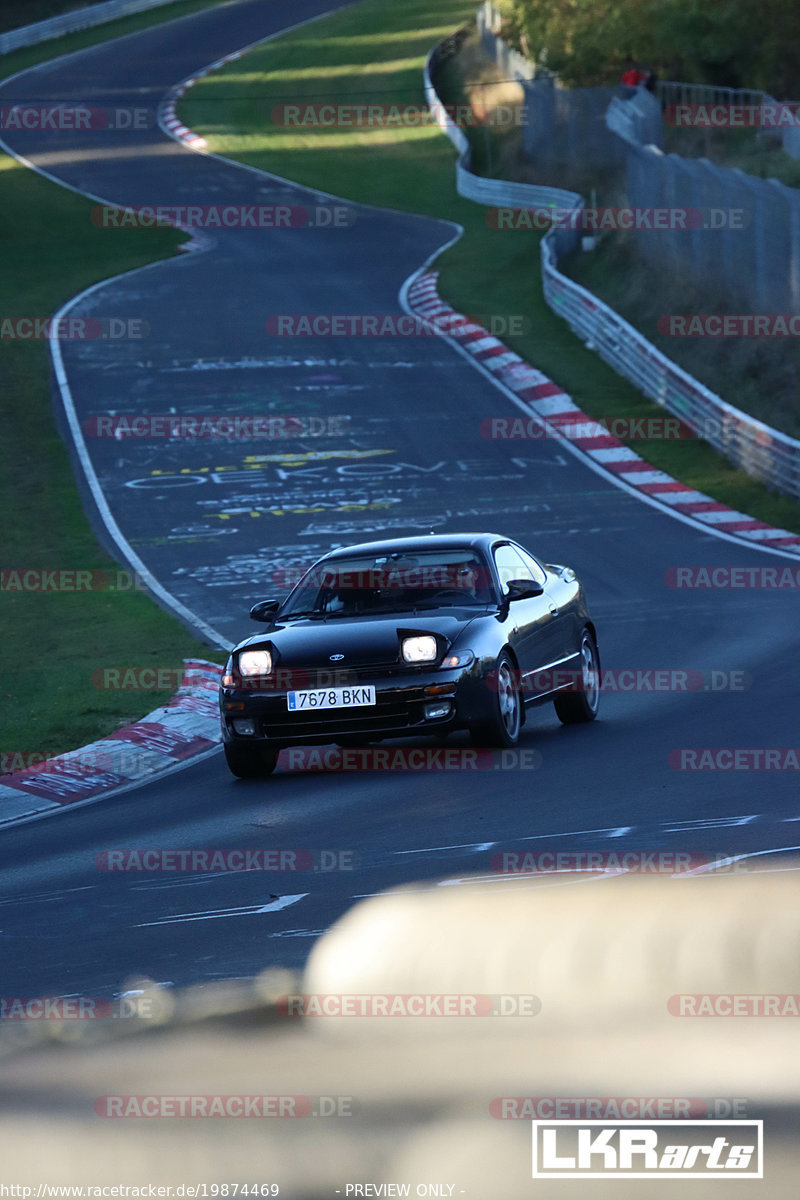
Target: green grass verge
point(758, 375)
point(375, 53)
point(746, 149)
point(52, 642)
point(370, 53)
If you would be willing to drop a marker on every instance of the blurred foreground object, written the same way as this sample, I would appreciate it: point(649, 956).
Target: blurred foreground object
point(418, 1100)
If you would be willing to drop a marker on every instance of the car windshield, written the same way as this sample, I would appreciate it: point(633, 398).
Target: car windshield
point(403, 582)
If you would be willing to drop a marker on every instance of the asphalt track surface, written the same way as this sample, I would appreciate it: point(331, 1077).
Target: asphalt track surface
point(215, 542)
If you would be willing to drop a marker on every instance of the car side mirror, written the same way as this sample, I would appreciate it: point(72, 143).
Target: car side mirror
point(522, 589)
point(265, 610)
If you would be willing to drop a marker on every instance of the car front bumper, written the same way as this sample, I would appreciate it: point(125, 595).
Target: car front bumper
point(399, 711)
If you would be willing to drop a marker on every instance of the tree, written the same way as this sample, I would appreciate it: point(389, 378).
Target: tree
point(722, 42)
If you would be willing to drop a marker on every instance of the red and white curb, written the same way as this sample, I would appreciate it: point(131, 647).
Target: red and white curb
point(555, 412)
point(167, 118)
point(184, 728)
point(176, 128)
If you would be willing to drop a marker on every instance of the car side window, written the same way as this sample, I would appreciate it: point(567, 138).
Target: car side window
point(509, 566)
point(538, 572)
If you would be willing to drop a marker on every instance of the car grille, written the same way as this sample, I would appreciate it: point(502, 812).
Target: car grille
point(389, 713)
point(334, 675)
point(337, 725)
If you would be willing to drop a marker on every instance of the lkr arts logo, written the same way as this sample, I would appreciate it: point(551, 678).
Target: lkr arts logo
point(648, 1149)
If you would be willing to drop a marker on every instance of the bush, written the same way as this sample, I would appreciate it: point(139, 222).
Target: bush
point(589, 42)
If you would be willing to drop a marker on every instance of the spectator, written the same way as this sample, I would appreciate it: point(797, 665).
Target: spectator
point(632, 80)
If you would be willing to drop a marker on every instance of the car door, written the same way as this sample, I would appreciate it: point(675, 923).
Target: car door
point(532, 634)
point(561, 592)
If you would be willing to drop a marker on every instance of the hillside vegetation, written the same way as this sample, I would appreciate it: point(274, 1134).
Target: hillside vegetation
point(731, 43)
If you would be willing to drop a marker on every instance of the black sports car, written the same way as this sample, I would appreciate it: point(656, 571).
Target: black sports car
point(406, 638)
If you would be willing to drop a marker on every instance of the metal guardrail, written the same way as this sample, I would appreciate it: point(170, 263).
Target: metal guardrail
point(672, 92)
point(497, 192)
point(637, 120)
point(513, 64)
point(504, 193)
point(760, 450)
point(71, 22)
point(763, 452)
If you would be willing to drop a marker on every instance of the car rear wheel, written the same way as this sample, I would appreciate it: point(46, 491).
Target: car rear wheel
point(250, 762)
point(502, 729)
point(573, 708)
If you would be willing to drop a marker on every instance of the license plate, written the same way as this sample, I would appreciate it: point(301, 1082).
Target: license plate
point(341, 697)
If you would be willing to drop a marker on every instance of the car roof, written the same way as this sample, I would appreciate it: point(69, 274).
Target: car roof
point(431, 541)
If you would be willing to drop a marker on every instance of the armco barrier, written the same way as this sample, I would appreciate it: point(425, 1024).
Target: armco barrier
point(510, 61)
point(498, 192)
point(636, 120)
point(670, 92)
point(755, 262)
point(70, 22)
point(761, 451)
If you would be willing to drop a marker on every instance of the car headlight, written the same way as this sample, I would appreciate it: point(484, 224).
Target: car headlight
point(459, 660)
point(422, 649)
point(255, 662)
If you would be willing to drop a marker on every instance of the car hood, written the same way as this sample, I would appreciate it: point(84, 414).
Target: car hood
point(311, 643)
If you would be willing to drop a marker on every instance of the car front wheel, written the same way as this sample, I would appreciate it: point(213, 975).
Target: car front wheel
point(572, 708)
point(250, 761)
point(502, 729)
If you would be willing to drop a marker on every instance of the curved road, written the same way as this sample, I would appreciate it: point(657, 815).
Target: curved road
point(409, 457)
